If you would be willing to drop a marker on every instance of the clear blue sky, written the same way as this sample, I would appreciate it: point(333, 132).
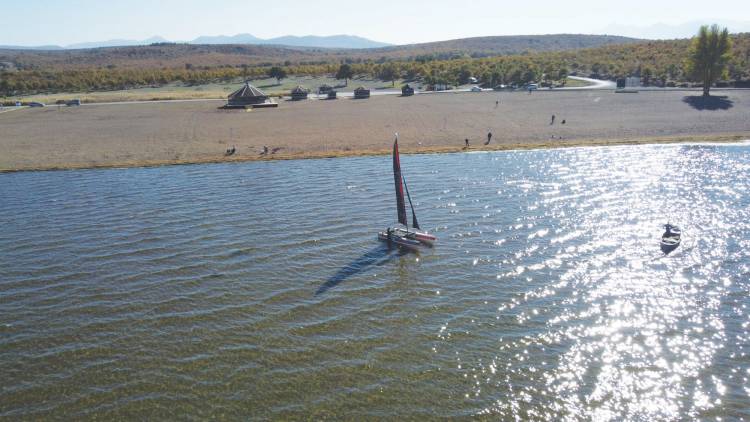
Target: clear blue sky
point(62, 22)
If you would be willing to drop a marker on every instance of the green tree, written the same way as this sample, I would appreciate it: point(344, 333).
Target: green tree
point(708, 55)
point(646, 75)
point(389, 73)
point(463, 75)
point(277, 72)
point(345, 72)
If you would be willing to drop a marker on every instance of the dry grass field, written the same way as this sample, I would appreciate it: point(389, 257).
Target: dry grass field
point(190, 132)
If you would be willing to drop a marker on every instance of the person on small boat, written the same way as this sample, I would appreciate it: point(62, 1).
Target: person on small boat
point(389, 233)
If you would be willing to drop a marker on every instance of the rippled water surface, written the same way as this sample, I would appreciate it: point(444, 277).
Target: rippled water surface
point(258, 290)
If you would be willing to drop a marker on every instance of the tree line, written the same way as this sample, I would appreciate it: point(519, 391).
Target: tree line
point(658, 63)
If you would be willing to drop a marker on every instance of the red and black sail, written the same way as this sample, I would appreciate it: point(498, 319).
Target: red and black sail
point(400, 204)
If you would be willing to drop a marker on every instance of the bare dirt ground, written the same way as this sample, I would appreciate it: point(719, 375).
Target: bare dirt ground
point(191, 132)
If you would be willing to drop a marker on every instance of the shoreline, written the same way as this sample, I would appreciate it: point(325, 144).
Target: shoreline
point(158, 134)
point(313, 155)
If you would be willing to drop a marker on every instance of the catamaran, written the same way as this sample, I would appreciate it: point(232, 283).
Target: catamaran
point(403, 235)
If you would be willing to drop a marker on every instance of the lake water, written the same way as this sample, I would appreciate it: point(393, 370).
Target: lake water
point(259, 290)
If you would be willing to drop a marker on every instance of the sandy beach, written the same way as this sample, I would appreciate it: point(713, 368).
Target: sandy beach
point(142, 134)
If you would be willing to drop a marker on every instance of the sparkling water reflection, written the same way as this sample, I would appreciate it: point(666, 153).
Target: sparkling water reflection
point(259, 289)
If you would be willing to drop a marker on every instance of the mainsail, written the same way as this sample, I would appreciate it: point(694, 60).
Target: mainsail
point(400, 204)
point(414, 222)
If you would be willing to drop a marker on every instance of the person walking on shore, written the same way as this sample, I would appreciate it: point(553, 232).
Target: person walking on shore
point(489, 138)
point(467, 142)
point(553, 120)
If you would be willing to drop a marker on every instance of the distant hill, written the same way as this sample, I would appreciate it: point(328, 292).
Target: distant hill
point(115, 43)
point(663, 31)
point(210, 54)
point(224, 39)
point(332, 41)
point(41, 47)
point(511, 44)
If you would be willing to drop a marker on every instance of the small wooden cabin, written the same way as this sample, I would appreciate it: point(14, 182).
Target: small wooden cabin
point(325, 89)
point(361, 93)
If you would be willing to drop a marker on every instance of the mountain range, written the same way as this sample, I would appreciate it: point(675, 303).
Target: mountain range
point(331, 41)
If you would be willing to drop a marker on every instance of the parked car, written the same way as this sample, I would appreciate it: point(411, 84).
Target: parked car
point(35, 104)
point(532, 87)
point(499, 87)
point(476, 89)
point(74, 102)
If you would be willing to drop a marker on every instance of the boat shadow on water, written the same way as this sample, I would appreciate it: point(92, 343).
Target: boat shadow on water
point(375, 257)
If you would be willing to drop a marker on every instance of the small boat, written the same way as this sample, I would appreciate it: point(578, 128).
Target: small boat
point(670, 240)
point(403, 235)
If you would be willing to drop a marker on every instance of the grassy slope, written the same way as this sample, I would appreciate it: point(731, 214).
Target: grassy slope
point(177, 55)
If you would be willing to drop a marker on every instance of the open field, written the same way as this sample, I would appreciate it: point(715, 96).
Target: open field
point(170, 133)
point(576, 83)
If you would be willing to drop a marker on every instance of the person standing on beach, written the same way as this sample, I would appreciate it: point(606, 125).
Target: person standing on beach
point(467, 142)
point(553, 120)
point(489, 138)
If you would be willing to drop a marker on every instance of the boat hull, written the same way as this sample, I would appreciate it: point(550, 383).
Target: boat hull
point(670, 240)
point(668, 247)
point(668, 244)
point(398, 240)
point(420, 236)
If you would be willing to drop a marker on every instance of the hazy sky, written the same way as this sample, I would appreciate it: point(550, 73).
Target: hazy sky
point(62, 22)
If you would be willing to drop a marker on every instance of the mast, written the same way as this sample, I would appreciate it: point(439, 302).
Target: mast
point(414, 222)
point(400, 203)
